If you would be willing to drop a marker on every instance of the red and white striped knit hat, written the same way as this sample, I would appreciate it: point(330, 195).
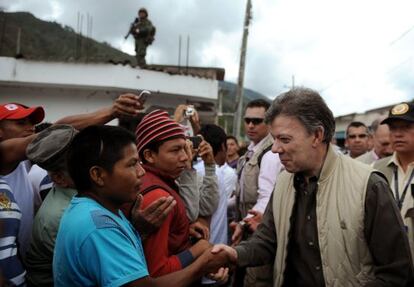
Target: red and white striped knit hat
point(156, 126)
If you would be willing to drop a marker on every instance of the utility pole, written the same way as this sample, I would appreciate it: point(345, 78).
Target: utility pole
point(179, 51)
point(188, 54)
point(240, 81)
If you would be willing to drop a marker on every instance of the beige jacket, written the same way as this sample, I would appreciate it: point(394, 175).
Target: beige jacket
point(346, 260)
point(368, 158)
point(250, 171)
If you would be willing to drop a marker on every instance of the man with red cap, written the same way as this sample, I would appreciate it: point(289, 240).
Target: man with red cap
point(17, 131)
point(161, 145)
point(18, 121)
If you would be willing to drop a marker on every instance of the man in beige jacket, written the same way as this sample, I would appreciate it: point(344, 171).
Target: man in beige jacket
point(331, 220)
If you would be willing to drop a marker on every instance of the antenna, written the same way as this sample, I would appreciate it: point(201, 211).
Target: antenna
point(179, 50)
point(80, 35)
point(188, 52)
point(90, 27)
point(87, 36)
point(77, 38)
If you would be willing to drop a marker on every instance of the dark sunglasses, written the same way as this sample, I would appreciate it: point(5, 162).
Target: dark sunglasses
point(255, 121)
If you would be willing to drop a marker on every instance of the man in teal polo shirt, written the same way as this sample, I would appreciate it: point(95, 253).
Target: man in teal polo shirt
point(96, 245)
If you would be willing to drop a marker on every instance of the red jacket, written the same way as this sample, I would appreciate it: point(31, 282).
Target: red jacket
point(166, 250)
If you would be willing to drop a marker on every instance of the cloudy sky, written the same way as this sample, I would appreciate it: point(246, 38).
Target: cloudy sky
point(357, 54)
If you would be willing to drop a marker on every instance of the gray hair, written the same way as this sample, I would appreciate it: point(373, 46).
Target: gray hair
point(375, 124)
point(308, 107)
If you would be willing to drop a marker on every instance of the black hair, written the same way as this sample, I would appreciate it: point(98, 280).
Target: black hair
point(215, 136)
point(233, 138)
point(356, 124)
point(96, 146)
point(130, 123)
point(258, 103)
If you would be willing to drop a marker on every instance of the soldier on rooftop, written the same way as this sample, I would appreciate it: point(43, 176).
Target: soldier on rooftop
point(143, 32)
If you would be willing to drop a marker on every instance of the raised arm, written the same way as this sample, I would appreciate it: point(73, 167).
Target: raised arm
point(125, 105)
point(12, 152)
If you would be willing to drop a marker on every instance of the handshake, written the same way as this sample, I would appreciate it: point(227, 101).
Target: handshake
point(216, 261)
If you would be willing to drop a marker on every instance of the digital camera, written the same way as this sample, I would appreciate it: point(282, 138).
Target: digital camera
point(189, 111)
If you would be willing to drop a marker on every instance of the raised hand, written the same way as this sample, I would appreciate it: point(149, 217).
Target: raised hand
point(127, 105)
point(195, 122)
point(199, 229)
point(179, 113)
point(150, 219)
point(206, 152)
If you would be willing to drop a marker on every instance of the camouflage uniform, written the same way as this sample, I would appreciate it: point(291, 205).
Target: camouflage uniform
point(142, 39)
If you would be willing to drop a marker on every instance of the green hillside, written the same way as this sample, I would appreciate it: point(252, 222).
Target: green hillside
point(42, 40)
point(229, 91)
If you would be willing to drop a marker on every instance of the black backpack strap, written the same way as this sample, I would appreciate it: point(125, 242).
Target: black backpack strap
point(259, 158)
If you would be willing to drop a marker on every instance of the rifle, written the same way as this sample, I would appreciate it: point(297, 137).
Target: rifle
point(131, 28)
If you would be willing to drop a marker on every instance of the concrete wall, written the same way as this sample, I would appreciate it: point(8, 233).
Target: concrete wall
point(67, 88)
point(61, 102)
point(103, 76)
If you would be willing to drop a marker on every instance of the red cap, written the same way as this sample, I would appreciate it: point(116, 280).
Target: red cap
point(13, 111)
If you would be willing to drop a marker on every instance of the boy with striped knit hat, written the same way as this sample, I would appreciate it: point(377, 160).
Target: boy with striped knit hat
point(162, 148)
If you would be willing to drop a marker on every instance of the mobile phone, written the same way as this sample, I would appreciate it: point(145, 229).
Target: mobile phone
point(196, 141)
point(142, 97)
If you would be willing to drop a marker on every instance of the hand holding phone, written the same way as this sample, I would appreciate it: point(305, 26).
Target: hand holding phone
point(196, 141)
point(142, 97)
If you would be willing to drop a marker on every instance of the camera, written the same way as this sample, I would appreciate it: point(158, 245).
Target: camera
point(189, 111)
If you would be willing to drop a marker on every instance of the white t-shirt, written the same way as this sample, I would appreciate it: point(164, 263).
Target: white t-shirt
point(227, 179)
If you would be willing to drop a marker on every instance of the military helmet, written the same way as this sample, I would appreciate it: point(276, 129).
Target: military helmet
point(143, 10)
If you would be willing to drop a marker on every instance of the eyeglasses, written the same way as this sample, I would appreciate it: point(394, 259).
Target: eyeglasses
point(254, 121)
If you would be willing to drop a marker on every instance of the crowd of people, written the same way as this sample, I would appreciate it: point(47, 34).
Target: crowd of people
point(169, 201)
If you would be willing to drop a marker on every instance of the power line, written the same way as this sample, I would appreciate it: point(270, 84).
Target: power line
point(402, 36)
